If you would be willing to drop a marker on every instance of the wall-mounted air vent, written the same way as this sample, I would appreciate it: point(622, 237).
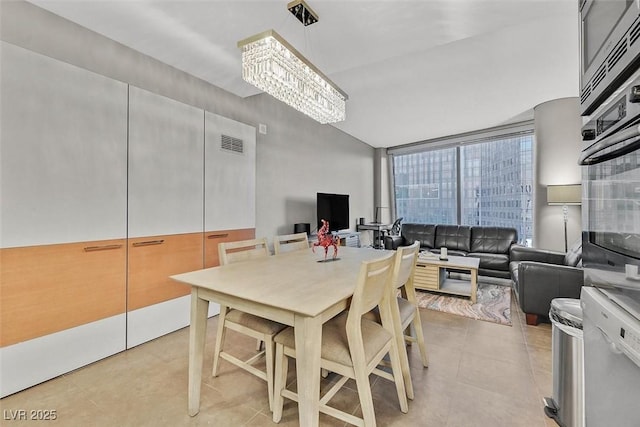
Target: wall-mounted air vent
point(229, 143)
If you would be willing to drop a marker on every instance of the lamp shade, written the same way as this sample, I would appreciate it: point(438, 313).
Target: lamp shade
point(564, 194)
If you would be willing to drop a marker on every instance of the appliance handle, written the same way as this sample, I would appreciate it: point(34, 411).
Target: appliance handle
point(592, 156)
point(612, 345)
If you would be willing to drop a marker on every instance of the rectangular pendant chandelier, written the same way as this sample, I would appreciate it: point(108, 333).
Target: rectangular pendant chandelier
point(274, 66)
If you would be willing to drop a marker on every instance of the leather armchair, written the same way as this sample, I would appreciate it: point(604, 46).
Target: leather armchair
point(541, 275)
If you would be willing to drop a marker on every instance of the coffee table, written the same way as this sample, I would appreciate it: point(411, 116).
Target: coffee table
point(431, 275)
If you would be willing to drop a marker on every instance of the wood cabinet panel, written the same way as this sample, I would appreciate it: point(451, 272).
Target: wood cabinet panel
point(153, 259)
point(427, 276)
point(50, 288)
point(213, 238)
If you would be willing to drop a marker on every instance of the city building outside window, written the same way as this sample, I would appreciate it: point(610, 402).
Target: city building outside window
point(488, 183)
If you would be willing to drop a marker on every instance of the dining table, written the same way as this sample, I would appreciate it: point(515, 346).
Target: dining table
point(302, 289)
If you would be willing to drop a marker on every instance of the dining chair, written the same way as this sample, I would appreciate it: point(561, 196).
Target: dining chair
point(352, 347)
point(290, 242)
point(256, 327)
point(405, 311)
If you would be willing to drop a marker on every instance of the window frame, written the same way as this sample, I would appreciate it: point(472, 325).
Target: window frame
point(520, 129)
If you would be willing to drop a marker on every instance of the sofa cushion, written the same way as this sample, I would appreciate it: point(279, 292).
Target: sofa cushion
point(494, 240)
point(455, 237)
point(492, 261)
point(574, 254)
point(424, 233)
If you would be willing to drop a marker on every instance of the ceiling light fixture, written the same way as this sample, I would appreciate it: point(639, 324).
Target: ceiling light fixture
point(303, 12)
point(274, 66)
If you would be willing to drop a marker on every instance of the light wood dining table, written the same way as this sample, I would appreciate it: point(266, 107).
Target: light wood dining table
point(291, 288)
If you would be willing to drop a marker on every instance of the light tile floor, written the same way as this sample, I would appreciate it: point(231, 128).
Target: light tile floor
point(480, 374)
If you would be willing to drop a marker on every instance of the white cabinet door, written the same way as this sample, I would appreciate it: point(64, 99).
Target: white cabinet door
point(230, 174)
point(64, 152)
point(63, 206)
point(166, 140)
point(166, 192)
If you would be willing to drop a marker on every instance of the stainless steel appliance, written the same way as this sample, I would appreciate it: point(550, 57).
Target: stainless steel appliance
point(611, 258)
point(611, 187)
point(609, 47)
point(611, 356)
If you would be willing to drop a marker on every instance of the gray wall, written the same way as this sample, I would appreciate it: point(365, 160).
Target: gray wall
point(295, 159)
point(558, 145)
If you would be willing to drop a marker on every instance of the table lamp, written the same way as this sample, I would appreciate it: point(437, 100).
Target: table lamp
point(564, 195)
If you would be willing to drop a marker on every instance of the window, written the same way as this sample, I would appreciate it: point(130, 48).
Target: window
point(487, 183)
point(426, 184)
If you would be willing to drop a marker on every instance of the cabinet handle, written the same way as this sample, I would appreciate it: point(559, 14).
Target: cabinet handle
point(217, 236)
point(101, 248)
point(148, 243)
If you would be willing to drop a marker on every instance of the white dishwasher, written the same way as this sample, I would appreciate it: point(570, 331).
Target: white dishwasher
point(611, 333)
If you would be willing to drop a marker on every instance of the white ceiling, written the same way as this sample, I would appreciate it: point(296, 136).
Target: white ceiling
point(413, 70)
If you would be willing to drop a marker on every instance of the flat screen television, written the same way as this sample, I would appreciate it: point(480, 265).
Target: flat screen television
point(335, 209)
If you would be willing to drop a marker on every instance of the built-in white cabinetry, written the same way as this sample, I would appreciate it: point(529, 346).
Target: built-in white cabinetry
point(106, 190)
point(165, 215)
point(64, 152)
point(230, 165)
point(166, 145)
point(63, 217)
point(230, 173)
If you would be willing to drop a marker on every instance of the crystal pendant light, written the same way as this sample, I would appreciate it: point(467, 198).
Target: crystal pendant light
point(274, 66)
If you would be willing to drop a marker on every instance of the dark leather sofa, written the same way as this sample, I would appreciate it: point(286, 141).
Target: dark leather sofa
point(541, 275)
point(490, 244)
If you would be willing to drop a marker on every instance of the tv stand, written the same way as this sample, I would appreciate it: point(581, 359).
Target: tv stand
point(347, 238)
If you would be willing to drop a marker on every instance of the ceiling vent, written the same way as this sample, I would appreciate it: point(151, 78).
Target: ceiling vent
point(229, 143)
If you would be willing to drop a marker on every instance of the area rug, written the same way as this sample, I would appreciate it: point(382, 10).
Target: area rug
point(493, 303)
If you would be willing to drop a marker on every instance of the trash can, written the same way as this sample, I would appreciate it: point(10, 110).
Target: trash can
point(566, 405)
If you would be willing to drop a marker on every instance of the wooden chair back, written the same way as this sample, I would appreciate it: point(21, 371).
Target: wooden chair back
point(290, 242)
point(243, 250)
point(372, 290)
point(405, 264)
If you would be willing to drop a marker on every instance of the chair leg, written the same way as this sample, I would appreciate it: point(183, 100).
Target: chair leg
point(259, 345)
point(532, 319)
point(279, 382)
point(417, 327)
point(219, 339)
point(269, 353)
point(396, 368)
point(364, 393)
point(409, 332)
point(404, 363)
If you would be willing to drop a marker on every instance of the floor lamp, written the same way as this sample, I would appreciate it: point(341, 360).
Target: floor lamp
point(564, 195)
